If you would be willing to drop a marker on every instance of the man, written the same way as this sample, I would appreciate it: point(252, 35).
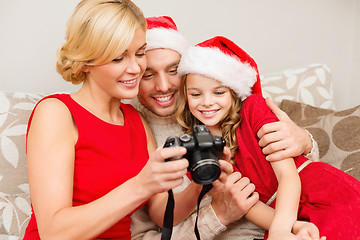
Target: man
point(158, 93)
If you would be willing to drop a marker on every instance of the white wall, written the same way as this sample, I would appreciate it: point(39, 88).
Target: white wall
point(278, 34)
point(30, 34)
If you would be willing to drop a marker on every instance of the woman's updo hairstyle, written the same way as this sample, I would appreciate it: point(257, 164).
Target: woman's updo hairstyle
point(97, 32)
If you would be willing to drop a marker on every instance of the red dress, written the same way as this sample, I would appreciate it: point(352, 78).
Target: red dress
point(106, 156)
point(329, 198)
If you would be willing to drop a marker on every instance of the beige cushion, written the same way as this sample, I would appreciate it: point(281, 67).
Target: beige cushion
point(311, 85)
point(15, 210)
point(336, 132)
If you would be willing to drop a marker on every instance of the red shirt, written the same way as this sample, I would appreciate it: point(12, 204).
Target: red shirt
point(249, 158)
point(106, 156)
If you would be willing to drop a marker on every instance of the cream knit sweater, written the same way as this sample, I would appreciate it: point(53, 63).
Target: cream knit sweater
point(208, 224)
point(161, 127)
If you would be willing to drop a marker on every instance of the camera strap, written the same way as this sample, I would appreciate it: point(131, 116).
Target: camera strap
point(205, 189)
point(169, 213)
point(168, 217)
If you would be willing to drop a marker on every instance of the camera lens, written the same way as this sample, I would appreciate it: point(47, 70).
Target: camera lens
point(205, 171)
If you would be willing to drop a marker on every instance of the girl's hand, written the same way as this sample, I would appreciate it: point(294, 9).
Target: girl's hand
point(159, 176)
point(227, 154)
point(290, 236)
point(235, 200)
point(219, 184)
point(279, 235)
point(306, 230)
point(226, 169)
point(232, 194)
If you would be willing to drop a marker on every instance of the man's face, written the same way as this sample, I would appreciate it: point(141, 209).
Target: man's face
point(158, 90)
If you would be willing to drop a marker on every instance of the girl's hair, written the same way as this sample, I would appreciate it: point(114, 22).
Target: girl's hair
point(96, 33)
point(228, 125)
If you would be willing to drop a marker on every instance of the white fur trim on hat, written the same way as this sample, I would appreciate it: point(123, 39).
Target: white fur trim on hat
point(213, 63)
point(166, 38)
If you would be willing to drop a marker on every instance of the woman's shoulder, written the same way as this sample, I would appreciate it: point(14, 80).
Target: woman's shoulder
point(51, 111)
point(51, 122)
point(51, 104)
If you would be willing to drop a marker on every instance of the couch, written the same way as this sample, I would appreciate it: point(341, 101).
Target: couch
point(305, 93)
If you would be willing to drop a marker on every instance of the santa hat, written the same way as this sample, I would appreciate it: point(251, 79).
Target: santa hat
point(221, 59)
point(162, 32)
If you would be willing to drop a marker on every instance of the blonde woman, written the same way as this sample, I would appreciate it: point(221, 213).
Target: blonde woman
point(92, 159)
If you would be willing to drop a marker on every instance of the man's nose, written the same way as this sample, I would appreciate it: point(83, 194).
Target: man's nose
point(162, 83)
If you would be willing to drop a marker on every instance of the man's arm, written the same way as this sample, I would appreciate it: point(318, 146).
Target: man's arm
point(284, 139)
point(214, 214)
point(232, 197)
point(143, 228)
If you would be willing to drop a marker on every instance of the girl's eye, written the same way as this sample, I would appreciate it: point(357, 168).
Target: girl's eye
point(195, 94)
point(219, 93)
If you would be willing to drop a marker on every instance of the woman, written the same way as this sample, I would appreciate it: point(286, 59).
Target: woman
point(88, 161)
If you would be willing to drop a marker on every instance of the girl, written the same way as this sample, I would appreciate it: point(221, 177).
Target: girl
point(88, 161)
point(216, 91)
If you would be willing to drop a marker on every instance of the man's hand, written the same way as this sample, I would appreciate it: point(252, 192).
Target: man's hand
point(283, 139)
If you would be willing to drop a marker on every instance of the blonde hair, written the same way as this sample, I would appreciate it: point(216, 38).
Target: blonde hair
point(228, 125)
point(96, 33)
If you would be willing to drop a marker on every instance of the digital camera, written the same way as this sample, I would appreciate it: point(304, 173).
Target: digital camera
point(203, 152)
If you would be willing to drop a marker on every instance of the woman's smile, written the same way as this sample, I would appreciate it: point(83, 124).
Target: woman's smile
point(130, 83)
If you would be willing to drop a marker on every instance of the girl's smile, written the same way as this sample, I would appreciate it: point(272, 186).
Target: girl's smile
point(209, 113)
point(208, 100)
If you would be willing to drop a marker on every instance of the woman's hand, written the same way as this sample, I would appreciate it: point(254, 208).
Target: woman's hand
point(159, 176)
point(283, 139)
